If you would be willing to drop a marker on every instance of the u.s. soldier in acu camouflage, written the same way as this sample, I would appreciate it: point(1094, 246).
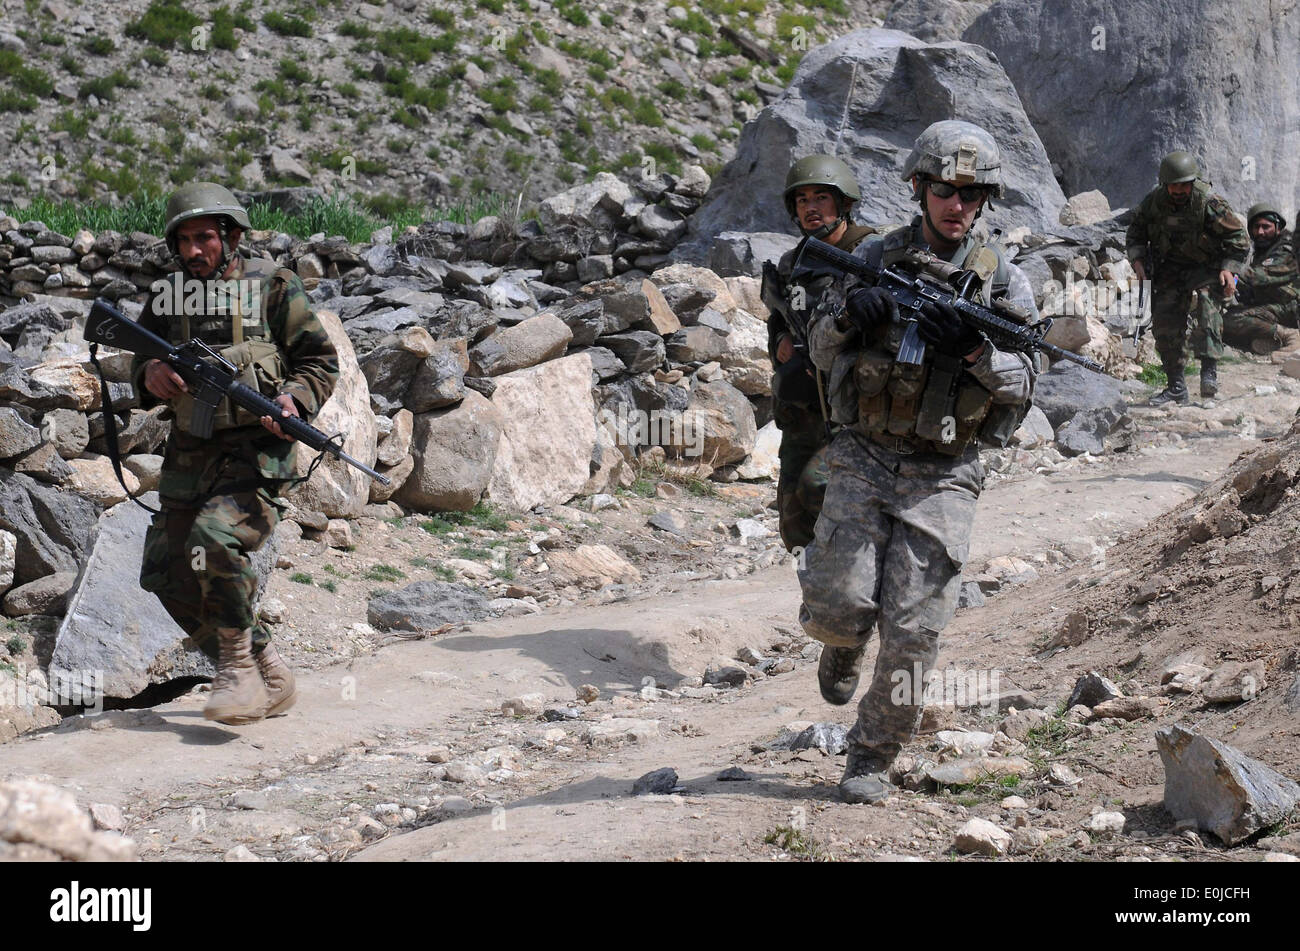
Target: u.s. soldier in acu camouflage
point(216, 493)
point(819, 194)
point(1191, 245)
point(905, 472)
point(1267, 312)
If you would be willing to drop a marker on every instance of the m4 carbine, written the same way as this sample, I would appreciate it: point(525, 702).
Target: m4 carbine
point(1006, 325)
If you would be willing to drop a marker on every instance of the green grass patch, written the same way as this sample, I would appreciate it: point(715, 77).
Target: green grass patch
point(105, 88)
point(15, 645)
point(98, 45)
point(443, 18)
point(472, 553)
point(329, 586)
point(796, 842)
point(165, 24)
point(384, 573)
point(444, 573)
point(355, 30)
point(286, 25)
point(301, 577)
point(25, 79)
point(573, 12)
point(408, 45)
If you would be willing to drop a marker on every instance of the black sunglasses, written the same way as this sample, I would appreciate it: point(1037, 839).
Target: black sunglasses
point(969, 193)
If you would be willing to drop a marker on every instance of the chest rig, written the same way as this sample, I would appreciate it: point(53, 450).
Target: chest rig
point(1178, 234)
point(231, 317)
point(923, 399)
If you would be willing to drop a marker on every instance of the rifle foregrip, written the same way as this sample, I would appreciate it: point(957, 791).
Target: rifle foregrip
point(259, 406)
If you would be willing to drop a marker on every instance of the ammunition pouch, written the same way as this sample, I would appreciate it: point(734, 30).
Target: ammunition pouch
point(260, 366)
point(935, 404)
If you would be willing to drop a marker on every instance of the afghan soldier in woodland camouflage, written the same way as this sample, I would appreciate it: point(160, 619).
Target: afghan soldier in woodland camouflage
point(820, 191)
point(905, 472)
point(217, 492)
point(1191, 245)
point(1268, 294)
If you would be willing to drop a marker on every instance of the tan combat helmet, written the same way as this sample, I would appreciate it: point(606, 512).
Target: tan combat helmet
point(200, 200)
point(1265, 208)
point(958, 152)
point(1178, 167)
point(821, 170)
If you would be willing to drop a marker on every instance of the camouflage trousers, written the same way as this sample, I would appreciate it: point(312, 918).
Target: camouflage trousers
point(196, 551)
point(889, 548)
point(1242, 326)
point(802, 482)
point(1176, 303)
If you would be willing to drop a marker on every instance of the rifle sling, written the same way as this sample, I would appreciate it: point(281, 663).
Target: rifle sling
point(110, 429)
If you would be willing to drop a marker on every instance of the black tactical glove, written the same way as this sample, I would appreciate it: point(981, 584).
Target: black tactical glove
point(870, 307)
point(941, 327)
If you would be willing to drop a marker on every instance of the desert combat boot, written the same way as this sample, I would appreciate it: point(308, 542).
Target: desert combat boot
point(238, 694)
point(866, 777)
point(281, 689)
point(838, 672)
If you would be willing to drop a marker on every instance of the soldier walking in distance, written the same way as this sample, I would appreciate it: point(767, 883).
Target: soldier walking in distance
point(1268, 294)
point(1191, 245)
point(820, 191)
point(905, 473)
point(216, 492)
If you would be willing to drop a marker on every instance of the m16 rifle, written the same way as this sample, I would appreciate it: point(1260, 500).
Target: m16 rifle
point(209, 379)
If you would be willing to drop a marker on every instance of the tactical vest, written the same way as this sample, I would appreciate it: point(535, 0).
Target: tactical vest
point(234, 322)
point(1179, 236)
point(935, 405)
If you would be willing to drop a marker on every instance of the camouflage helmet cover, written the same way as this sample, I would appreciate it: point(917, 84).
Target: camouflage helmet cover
point(958, 152)
point(200, 200)
point(1265, 208)
point(1178, 167)
point(820, 170)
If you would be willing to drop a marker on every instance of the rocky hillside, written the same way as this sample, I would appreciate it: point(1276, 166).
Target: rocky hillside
point(401, 101)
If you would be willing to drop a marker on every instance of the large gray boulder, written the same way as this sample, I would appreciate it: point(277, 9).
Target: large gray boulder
point(1112, 87)
point(933, 20)
point(454, 452)
point(115, 627)
point(425, 606)
point(865, 97)
point(548, 436)
point(336, 488)
point(55, 530)
point(1225, 791)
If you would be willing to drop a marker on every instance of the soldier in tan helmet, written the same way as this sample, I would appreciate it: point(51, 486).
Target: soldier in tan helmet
point(895, 525)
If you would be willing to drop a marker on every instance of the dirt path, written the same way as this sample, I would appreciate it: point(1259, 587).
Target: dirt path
point(405, 753)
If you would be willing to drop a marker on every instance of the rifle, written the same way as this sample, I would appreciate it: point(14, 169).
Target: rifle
point(209, 377)
point(1005, 324)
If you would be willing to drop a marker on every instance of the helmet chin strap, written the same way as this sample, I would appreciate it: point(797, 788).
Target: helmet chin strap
point(825, 230)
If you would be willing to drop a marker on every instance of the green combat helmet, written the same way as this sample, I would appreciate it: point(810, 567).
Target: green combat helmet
point(1265, 208)
point(1178, 167)
point(958, 152)
point(821, 170)
point(199, 200)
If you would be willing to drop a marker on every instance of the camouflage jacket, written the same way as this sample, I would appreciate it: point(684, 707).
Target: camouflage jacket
point(776, 322)
point(271, 305)
point(1203, 235)
point(1274, 275)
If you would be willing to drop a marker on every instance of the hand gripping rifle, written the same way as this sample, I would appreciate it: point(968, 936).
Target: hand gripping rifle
point(209, 377)
point(1006, 325)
